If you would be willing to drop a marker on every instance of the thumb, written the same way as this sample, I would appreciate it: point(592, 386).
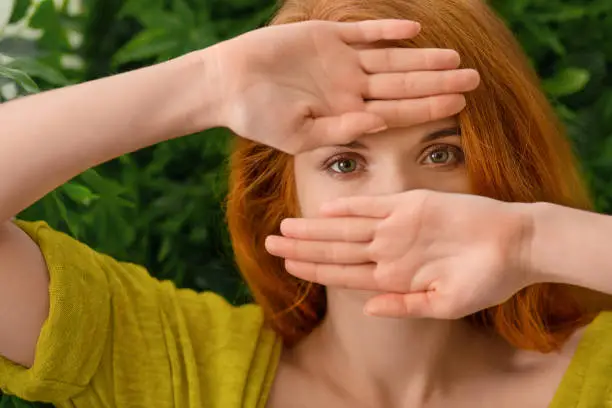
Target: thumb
point(341, 129)
point(416, 304)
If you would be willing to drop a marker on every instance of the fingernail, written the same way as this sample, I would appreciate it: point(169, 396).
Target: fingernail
point(286, 222)
point(369, 310)
point(269, 243)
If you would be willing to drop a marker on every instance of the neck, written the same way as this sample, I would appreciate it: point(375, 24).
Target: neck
point(395, 360)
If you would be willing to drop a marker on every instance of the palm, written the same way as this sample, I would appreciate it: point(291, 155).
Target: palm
point(306, 84)
point(296, 80)
point(468, 259)
point(432, 254)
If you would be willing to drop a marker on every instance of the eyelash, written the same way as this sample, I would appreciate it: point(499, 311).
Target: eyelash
point(327, 164)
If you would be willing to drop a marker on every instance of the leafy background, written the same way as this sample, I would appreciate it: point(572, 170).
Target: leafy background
point(162, 206)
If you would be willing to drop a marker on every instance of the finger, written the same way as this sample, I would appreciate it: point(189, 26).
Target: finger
point(420, 84)
point(340, 129)
point(377, 30)
point(330, 229)
point(408, 59)
point(317, 251)
point(397, 305)
point(358, 277)
point(374, 207)
point(411, 112)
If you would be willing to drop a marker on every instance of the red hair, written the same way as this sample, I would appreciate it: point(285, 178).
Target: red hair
point(515, 149)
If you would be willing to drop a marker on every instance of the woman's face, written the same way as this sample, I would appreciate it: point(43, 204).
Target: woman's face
point(427, 156)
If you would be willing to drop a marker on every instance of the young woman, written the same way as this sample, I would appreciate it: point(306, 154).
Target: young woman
point(343, 117)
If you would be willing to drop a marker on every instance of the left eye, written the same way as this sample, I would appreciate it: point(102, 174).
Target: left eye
point(443, 155)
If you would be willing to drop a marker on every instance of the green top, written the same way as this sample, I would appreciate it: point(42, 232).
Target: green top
point(116, 337)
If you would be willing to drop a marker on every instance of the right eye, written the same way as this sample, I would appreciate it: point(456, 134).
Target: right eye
point(344, 165)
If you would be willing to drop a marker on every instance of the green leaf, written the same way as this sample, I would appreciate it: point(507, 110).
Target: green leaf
point(182, 10)
point(147, 44)
point(22, 79)
point(565, 113)
point(604, 157)
point(19, 10)
point(545, 35)
point(135, 8)
point(165, 249)
point(4, 401)
point(47, 18)
point(19, 403)
point(161, 20)
point(607, 107)
point(102, 185)
point(563, 15)
point(37, 69)
point(519, 6)
point(63, 212)
point(567, 82)
point(79, 193)
point(6, 9)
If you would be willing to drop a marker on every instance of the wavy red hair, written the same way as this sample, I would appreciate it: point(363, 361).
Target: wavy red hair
point(515, 148)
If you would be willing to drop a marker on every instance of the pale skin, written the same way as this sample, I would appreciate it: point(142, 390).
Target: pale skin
point(314, 104)
point(402, 262)
point(316, 93)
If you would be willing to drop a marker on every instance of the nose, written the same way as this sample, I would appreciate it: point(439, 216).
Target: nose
point(395, 179)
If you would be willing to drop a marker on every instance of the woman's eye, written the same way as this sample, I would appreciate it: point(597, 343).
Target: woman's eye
point(344, 165)
point(444, 155)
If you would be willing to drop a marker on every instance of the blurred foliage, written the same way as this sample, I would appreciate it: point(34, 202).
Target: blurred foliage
point(162, 206)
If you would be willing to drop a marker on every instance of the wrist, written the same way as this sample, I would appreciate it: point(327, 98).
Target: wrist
point(197, 79)
point(538, 225)
point(223, 66)
point(523, 232)
point(557, 242)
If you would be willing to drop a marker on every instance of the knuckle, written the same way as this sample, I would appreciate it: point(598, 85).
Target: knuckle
point(317, 273)
point(449, 81)
point(431, 109)
point(388, 59)
point(430, 60)
point(329, 252)
point(409, 83)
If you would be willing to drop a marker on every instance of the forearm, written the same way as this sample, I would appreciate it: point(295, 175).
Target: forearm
point(571, 246)
point(49, 138)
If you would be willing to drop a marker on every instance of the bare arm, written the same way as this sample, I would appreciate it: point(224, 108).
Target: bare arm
point(49, 138)
point(571, 246)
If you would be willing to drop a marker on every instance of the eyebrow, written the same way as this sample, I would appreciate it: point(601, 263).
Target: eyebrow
point(438, 134)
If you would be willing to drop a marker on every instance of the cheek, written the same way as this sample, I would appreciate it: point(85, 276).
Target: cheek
point(313, 187)
point(456, 181)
